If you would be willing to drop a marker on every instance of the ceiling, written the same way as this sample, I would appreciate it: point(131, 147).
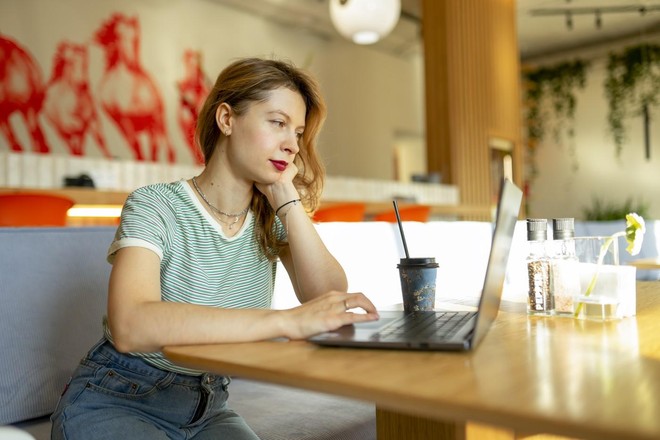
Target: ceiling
point(541, 35)
point(537, 34)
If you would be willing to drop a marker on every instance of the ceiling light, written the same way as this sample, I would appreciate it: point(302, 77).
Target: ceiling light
point(364, 21)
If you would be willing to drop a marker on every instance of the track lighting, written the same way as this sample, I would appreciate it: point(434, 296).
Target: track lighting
point(598, 12)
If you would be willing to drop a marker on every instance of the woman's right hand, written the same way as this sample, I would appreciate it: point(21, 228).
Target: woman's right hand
point(326, 313)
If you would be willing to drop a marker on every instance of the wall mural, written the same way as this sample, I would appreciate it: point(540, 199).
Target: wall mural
point(126, 93)
point(193, 89)
point(22, 91)
point(69, 106)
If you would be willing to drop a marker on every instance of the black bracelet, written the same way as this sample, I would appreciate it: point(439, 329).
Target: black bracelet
point(294, 201)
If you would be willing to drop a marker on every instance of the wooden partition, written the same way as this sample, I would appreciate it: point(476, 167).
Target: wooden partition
point(472, 84)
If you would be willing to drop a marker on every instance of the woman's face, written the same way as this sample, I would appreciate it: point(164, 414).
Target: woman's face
point(264, 140)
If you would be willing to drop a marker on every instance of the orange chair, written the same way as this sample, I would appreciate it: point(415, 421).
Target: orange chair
point(344, 212)
point(33, 209)
point(410, 213)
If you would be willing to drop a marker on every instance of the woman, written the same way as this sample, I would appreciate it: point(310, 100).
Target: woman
point(194, 262)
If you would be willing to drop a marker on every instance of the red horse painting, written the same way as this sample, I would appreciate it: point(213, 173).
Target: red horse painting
point(69, 105)
point(21, 90)
point(127, 93)
point(193, 89)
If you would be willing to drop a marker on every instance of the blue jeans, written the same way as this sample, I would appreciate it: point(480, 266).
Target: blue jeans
point(117, 396)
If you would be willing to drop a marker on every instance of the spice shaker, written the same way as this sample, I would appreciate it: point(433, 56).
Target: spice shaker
point(539, 301)
point(564, 276)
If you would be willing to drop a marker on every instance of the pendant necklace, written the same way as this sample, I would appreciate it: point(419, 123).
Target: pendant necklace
point(217, 211)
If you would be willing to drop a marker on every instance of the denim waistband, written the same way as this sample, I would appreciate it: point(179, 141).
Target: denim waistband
point(105, 349)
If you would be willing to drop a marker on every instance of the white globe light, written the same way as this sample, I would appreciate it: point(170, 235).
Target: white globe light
point(365, 21)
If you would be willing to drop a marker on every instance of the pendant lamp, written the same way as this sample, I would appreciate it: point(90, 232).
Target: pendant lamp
point(364, 21)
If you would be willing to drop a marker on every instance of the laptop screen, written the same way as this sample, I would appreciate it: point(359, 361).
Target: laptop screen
point(507, 216)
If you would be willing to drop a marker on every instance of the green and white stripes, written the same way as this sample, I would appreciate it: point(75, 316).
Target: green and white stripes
point(199, 265)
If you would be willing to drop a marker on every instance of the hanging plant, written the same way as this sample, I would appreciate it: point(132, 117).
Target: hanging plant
point(632, 87)
point(555, 86)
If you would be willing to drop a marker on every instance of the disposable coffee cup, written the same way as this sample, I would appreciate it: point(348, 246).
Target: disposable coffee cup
point(418, 276)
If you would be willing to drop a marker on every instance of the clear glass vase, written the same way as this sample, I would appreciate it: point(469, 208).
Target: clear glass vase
point(607, 290)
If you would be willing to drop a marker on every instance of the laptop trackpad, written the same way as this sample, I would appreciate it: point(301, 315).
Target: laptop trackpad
point(371, 326)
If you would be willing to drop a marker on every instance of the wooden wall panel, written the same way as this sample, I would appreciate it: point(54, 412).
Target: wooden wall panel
point(472, 90)
point(436, 89)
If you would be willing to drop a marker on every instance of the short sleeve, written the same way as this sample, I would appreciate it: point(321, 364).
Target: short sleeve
point(144, 223)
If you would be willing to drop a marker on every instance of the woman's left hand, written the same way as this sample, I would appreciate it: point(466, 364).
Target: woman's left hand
point(282, 190)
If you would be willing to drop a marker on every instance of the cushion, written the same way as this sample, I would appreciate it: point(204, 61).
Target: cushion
point(53, 295)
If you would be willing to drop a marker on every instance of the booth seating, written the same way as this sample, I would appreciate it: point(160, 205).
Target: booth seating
point(27, 209)
point(341, 212)
point(411, 213)
point(53, 296)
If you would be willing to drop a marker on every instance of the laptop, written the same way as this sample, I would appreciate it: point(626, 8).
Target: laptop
point(442, 330)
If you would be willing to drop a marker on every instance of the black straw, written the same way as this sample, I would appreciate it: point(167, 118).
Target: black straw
point(398, 220)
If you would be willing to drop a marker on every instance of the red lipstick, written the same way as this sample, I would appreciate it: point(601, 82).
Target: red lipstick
point(279, 164)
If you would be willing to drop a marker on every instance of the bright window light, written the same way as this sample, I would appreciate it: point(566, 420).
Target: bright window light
point(94, 211)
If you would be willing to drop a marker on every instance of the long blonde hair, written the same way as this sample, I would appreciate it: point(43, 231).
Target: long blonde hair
point(251, 80)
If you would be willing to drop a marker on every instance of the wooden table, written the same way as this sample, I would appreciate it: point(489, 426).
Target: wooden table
point(646, 263)
point(584, 379)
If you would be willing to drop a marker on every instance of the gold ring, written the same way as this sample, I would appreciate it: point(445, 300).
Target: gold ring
point(346, 304)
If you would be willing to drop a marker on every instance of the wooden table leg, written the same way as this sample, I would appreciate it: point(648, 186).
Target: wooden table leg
point(396, 426)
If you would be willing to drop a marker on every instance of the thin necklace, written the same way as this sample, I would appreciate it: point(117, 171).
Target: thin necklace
point(236, 216)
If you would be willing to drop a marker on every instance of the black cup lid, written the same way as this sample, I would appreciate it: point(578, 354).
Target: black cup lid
point(430, 262)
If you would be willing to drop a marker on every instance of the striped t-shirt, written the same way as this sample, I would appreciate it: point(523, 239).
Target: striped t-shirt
point(198, 263)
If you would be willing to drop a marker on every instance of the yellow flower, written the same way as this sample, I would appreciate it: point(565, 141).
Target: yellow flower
point(635, 229)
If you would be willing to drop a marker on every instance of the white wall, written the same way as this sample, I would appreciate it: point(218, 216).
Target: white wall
point(558, 190)
point(370, 94)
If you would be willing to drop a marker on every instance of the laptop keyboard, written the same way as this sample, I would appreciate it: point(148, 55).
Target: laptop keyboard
point(432, 325)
